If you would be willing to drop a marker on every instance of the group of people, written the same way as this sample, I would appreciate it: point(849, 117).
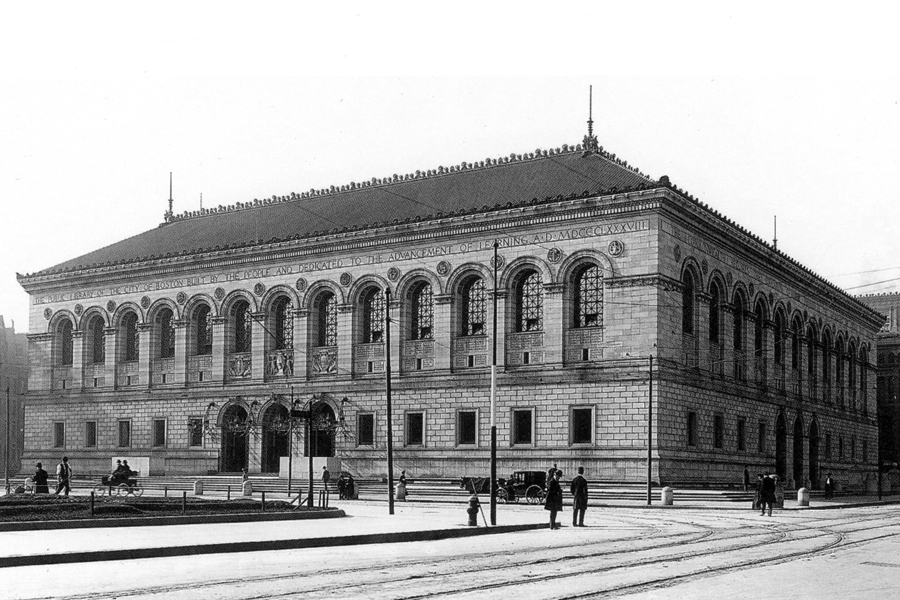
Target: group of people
point(63, 478)
point(553, 500)
point(121, 473)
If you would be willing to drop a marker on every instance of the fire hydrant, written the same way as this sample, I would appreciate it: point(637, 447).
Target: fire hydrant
point(473, 510)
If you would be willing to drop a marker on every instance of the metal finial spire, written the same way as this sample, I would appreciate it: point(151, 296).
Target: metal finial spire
point(775, 239)
point(168, 217)
point(201, 200)
point(590, 140)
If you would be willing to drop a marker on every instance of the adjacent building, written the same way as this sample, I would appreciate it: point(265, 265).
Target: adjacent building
point(13, 385)
point(190, 344)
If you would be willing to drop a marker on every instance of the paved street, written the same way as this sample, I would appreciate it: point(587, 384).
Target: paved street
point(624, 552)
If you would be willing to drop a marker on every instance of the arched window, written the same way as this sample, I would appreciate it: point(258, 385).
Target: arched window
point(811, 354)
point(64, 339)
point(863, 378)
point(326, 318)
point(422, 312)
point(166, 332)
point(530, 302)
point(795, 345)
point(839, 367)
point(474, 308)
point(738, 325)
point(130, 336)
point(284, 324)
point(687, 304)
point(715, 305)
point(589, 297)
point(826, 361)
point(97, 339)
point(203, 330)
point(759, 332)
point(779, 339)
point(242, 323)
point(373, 316)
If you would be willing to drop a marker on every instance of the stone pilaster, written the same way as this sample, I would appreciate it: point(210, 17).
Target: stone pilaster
point(145, 353)
point(772, 371)
point(393, 313)
point(443, 311)
point(301, 342)
point(505, 322)
point(78, 338)
point(704, 348)
point(218, 348)
point(261, 340)
point(179, 376)
point(553, 324)
point(112, 354)
point(345, 339)
point(726, 340)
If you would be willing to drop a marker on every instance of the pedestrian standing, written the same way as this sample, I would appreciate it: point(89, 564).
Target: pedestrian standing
point(554, 500)
point(829, 486)
point(40, 480)
point(550, 472)
point(767, 494)
point(746, 478)
point(326, 476)
point(579, 489)
point(757, 499)
point(63, 475)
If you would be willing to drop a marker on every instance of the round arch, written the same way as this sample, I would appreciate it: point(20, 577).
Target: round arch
point(274, 293)
point(364, 283)
point(515, 268)
point(160, 304)
point(690, 265)
point(124, 309)
point(466, 270)
point(235, 295)
point(90, 313)
point(313, 291)
point(413, 277)
point(570, 265)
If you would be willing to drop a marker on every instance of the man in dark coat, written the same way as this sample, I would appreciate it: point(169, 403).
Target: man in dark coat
point(40, 480)
point(579, 489)
point(554, 500)
point(767, 495)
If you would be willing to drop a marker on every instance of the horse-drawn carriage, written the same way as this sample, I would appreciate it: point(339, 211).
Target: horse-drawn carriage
point(120, 484)
point(530, 485)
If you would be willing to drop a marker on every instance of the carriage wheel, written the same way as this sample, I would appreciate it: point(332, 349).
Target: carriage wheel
point(122, 490)
point(534, 494)
point(136, 490)
point(100, 490)
point(502, 495)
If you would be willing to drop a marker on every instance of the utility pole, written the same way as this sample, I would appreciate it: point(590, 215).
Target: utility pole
point(387, 373)
point(494, 400)
point(650, 437)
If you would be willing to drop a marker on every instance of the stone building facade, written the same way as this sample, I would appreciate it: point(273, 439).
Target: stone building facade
point(190, 343)
point(13, 376)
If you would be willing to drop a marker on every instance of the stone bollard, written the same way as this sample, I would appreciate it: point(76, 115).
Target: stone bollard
point(667, 496)
point(803, 497)
point(473, 510)
point(198, 488)
point(247, 488)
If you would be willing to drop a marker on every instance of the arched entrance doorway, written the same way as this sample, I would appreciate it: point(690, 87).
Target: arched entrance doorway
point(275, 429)
point(814, 455)
point(798, 454)
point(322, 429)
point(781, 447)
point(234, 439)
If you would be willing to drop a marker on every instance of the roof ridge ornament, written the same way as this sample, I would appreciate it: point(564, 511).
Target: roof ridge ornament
point(590, 143)
point(169, 216)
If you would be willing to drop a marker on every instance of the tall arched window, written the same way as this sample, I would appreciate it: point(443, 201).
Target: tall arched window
point(863, 378)
point(474, 308)
point(759, 332)
point(851, 375)
point(687, 304)
point(203, 330)
point(738, 325)
point(779, 339)
point(795, 345)
point(64, 339)
point(242, 323)
point(284, 324)
point(715, 305)
point(421, 309)
point(130, 336)
point(326, 309)
point(826, 362)
point(589, 297)
point(839, 368)
point(811, 354)
point(97, 339)
point(530, 302)
point(373, 316)
point(165, 323)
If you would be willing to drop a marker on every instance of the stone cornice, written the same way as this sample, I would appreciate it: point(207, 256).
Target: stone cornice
point(647, 280)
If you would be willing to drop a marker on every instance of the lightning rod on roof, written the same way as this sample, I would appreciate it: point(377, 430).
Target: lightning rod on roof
point(169, 216)
point(775, 239)
point(590, 140)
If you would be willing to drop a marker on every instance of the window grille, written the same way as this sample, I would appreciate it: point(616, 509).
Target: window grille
point(242, 327)
point(327, 307)
point(65, 342)
point(129, 325)
point(98, 341)
point(166, 334)
point(474, 307)
point(284, 324)
point(373, 317)
point(422, 310)
point(589, 298)
point(530, 303)
point(204, 331)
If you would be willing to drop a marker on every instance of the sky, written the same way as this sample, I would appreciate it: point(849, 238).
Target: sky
point(761, 111)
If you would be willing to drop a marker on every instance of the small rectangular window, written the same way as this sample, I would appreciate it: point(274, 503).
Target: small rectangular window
point(470, 360)
point(90, 434)
point(582, 425)
point(195, 431)
point(761, 440)
point(200, 376)
point(128, 380)
point(692, 429)
point(124, 434)
point(718, 431)
point(742, 435)
point(370, 367)
point(59, 435)
point(418, 364)
point(585, 354)
point(96, 381)
point(365, 425)
point(159, 432)
point(466, 428)
point(526, 358)
point(164, 375)
point(522, 427)
point(415, 429)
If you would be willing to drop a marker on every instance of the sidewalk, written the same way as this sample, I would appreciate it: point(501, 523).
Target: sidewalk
point(366, 522)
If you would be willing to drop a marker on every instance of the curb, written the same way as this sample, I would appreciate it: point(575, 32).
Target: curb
point(262, 546)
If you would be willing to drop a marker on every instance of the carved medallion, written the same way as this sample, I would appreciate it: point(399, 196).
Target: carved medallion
point(790, 309)
point(111, 306)
point(301, 285)
point(48, 313)
point(704, 266)
point(259, 289)
point(499, 263)
point(677, 252)
point(615, 248)
point(145, 302)
point(180, 297)
point(443, 268)
point(219, 293)
point(728, 279)
point(752, 291)
point(771, 299)
point(393, 273)
point(554, 255)
point(78, 309)
point(346, 279)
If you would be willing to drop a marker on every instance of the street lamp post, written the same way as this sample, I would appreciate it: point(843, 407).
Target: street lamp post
point(650, 437)
point(494, 399)
point(290, 442)
point(387, 372)
point(6, 458)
